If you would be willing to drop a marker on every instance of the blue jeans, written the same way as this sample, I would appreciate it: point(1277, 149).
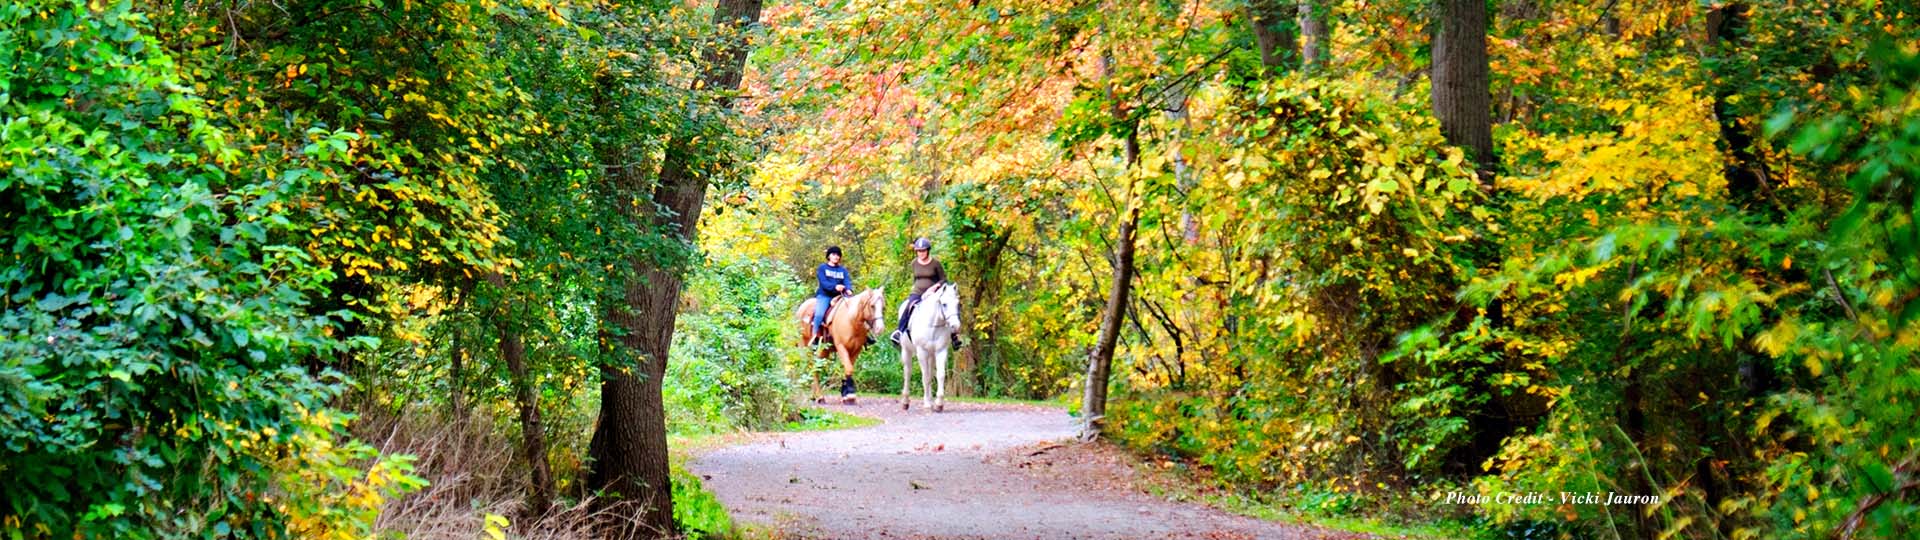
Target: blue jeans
point(820, 303)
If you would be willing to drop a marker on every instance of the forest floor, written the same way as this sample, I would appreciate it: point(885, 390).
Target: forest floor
point(978, 470)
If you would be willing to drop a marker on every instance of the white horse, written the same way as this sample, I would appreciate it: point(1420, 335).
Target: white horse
point(934, 322)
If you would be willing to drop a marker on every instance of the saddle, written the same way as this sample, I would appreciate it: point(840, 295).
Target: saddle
point(826, 335)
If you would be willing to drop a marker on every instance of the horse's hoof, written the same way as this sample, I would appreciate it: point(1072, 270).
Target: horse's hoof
point(940, 407)
point(848, 400)
point(903, 406)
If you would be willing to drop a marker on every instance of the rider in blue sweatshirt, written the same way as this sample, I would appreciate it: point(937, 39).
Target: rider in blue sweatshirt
point(834, 280)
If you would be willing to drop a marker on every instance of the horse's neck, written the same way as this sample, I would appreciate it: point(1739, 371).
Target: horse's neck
point(856, 305)
point(928, 315)
point(852, 309)
point(849, 321)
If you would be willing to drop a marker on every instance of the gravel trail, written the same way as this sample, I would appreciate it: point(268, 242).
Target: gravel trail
point(974, 471)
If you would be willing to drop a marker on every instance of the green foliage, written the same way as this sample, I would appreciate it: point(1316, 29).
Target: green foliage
point(212, 208)
point(1367, 215)
point(733, 348)
point(156, 306)
point(817, 419)
point(695, 509)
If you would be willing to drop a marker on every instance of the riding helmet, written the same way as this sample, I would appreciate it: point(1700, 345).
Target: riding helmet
point(922, 244)
point(833, 250)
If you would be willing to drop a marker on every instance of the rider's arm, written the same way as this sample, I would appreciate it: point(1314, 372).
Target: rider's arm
point(939, 272)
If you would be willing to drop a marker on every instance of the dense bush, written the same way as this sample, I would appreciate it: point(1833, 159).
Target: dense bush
point(157, 318)
point(735, 359)
point(213, 212)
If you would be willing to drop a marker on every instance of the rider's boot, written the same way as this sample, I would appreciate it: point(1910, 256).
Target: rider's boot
point(819, 342)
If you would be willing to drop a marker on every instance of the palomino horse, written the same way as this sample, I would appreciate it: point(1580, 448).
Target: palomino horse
point(848, 325)
point(934, 321)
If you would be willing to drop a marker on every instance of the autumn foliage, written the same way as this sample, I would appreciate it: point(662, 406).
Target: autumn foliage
point(1687, 265)
point(1686, 270)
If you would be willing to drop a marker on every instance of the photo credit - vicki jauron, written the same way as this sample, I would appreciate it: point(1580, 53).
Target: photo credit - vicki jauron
point(1609, 498)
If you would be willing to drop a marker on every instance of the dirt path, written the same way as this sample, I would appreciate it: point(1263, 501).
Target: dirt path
point(975, 471)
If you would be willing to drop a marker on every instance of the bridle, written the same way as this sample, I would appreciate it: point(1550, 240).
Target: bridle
point(872, 314)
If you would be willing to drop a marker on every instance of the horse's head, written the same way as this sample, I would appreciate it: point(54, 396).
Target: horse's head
point(946, 298)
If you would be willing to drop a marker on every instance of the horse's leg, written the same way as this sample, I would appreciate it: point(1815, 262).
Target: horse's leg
point(813, 374)
point(846, 374)
point(906, 370)
point(940, 371)
point(926, 377)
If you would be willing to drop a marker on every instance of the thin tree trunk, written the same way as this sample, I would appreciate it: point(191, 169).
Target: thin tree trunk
point(629, 447)
point(1747, 174)
point(1093, 405)
point(985, 290)
point(1317, 29)
point(1460, 81)
point(456, 381)
point(533, 433)
point(1274, 33)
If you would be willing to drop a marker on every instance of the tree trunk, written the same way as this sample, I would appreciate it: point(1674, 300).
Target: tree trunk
point(1274, 32)
point(456, 381)
point(533, 433)
point(1462, 99)
point(1316, 27)
point(1460, 81)
point(1746, 175)
point(985, 291)
point(629, 447)
point(1093, 406)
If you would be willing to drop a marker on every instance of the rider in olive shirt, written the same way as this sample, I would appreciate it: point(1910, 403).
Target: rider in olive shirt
point(926, 272)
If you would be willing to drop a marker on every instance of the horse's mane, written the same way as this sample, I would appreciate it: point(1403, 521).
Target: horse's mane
point(863, 301)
